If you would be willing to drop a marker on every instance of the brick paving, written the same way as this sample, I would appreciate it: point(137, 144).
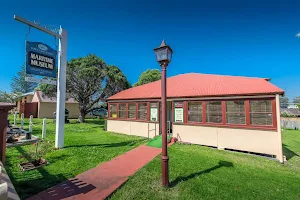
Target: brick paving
point(100, 182)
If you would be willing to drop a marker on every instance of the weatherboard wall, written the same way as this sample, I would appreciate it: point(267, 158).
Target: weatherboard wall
point(143, 129)
point(258, 141)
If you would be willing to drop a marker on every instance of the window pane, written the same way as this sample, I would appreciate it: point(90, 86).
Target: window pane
point(142, 111)
point(132, 110)
point(195, 111)
point(113, 110)
point(261, 113)
point(122, 110)
point(261, 119)
point(235, 112)
point(261, 106)
point(214, 111)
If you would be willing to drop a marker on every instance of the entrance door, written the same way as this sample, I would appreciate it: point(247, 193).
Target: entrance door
point(169, 118)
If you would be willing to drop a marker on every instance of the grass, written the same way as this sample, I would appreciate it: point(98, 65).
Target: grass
point(156, 141)
point(86, 146)
point(198, 172)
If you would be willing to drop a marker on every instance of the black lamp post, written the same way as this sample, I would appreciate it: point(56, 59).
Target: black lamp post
point(164, 56)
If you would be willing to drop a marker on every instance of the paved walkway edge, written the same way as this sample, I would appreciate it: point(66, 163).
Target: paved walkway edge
point(102, 181)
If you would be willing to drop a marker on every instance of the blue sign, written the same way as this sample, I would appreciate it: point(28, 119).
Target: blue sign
point(40, 59)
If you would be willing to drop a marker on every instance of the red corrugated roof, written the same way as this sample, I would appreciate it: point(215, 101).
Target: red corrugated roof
point(199, 85)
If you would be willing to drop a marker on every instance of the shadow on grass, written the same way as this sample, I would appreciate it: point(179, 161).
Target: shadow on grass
point(52, 186)
point(94, 121)
point(119, 144)
point(194, 175)
point(287, 152)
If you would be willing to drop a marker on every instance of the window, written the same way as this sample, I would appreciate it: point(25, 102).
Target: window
point(132, 110)
point(113, 110)
point(195, 111)
point(261, 113)
point(235, 112)
point(142, 111)
point(122, 110)
point(214, 111)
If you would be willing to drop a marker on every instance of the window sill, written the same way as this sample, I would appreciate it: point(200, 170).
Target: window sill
point(124, 119)
point(267, 128)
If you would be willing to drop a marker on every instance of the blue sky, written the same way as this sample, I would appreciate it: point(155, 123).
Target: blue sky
point(245, 38)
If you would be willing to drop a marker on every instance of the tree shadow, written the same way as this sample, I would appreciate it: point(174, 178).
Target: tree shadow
point(191, 176)
point(119, 144)
point(50, 186)
point(94, 121)
point(288, 153)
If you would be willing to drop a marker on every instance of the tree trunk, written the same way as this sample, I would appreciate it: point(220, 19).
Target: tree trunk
point(82, 113)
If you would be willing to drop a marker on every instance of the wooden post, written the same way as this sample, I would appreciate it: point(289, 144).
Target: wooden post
point(22, 120)
point(30, 123)
point(15, 119)
point(44, 128)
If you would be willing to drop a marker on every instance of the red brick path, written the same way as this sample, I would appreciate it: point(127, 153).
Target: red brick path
point(103, 180)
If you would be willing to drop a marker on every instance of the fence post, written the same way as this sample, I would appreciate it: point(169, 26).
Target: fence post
point(44, 128)
point(22, 120)
point(15, 119)
point(30, 123)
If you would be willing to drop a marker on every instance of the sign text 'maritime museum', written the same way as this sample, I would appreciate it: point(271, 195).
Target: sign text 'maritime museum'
point(40, 59)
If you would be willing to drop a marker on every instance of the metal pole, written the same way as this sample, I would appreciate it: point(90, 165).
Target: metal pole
point(61, 89)
point(164, 157)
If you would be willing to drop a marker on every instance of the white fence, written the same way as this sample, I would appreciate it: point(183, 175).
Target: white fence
point(290, 124)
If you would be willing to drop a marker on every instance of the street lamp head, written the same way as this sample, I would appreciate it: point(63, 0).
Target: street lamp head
point(163, 53)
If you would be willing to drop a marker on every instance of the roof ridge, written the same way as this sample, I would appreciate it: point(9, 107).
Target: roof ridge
point(197, 73)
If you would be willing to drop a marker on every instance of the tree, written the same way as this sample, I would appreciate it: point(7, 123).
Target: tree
point(90, 80)
point(7, 97)
point(47, 89)
point(19, 85)
point(284, 102)
point(115, 81)
point(296, 100)
point(148, 76)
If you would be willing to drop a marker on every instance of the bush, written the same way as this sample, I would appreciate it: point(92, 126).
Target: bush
point(38, 150)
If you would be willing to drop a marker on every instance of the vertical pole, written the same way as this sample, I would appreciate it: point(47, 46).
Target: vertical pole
point(61, 89)
point(22, 120)
point(280, 154)
point(15, 119)
point(164, 157)
point(44, 128)
point(30, 123)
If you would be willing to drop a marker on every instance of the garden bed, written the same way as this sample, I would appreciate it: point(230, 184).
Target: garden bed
point(26, 166)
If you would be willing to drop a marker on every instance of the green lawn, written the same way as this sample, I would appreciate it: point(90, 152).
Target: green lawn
point(198, 172)
point(86, 145)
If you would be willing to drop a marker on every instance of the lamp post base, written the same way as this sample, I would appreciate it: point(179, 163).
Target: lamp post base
point(165, 171)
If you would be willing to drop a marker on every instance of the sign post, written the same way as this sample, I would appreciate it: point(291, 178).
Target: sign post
point(61, 89)
point(42, 63)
